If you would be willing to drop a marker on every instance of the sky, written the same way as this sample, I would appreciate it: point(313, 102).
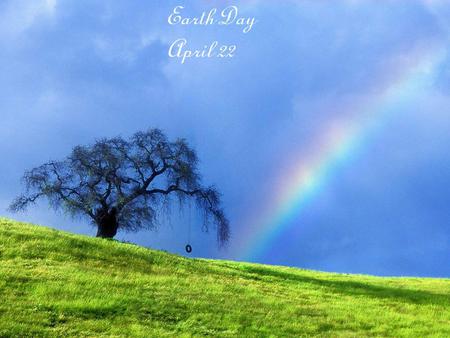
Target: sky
point(328, 132)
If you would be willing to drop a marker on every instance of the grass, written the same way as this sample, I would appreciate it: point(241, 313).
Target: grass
point(53, 283)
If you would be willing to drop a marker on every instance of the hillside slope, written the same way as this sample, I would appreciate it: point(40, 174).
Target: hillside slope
point(54, 283)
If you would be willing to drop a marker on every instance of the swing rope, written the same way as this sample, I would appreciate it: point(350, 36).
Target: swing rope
point(190, 222)
point(188, 247)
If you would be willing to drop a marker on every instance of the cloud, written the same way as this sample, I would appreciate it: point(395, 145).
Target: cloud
point(19, 16)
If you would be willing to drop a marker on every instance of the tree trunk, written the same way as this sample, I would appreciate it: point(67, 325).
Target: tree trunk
point(107, 225)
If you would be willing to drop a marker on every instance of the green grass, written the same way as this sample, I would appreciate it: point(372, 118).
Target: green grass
point(54, 283)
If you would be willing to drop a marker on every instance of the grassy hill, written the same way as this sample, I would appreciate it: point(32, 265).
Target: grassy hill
point(54, 283)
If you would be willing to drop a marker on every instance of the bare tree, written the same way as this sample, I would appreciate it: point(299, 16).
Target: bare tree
point(121, 184)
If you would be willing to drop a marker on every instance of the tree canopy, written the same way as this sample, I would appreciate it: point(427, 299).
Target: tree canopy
point(122, 184)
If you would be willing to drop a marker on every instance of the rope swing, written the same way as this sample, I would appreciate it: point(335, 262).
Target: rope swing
point(188, 247)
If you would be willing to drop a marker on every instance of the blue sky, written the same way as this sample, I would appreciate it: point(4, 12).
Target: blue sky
point(75, 71)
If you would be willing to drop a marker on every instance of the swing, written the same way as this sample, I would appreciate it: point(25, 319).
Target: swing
point(188, 247)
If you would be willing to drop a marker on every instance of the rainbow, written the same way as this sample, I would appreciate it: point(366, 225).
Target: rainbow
point(338, 143)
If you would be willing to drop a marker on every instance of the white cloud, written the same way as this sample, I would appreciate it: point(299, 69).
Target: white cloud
point(440, 11)
point(19, 16)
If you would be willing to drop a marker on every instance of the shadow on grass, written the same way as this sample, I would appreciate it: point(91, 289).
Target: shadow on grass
point(354, 288)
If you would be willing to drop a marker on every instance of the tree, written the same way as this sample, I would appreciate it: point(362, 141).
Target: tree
point(122, 184)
